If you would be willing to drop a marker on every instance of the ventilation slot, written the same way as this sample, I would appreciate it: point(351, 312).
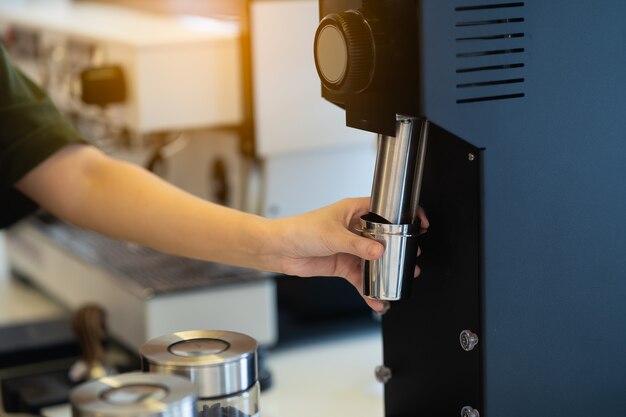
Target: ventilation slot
point(485, 83)
point(490, 22)
point(491, 50)
point(489, 6)
point(496, 52)
point(491, 68)
point(489, 98)
point(491, 37)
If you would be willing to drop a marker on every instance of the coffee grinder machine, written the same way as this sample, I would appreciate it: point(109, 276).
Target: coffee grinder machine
point(505, 121)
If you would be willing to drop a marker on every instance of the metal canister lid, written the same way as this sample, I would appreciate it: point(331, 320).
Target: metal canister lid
point(218, 362)
point(135, 394)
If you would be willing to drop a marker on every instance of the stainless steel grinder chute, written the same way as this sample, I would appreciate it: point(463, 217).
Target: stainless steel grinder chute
point(393, 219)
point(348, 51)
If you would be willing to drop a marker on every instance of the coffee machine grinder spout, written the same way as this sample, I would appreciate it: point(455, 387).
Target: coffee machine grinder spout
point(393, 219)
point(353, 58)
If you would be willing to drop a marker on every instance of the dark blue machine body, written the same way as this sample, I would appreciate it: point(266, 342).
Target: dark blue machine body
point(540, 88)
point(554, 197)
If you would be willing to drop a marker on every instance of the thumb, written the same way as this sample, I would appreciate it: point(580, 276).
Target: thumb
point(363, 247)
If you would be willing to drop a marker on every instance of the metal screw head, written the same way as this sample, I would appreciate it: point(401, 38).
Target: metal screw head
point(471, 156)
point(468, 411)
point(383, 374)
point(468, 340)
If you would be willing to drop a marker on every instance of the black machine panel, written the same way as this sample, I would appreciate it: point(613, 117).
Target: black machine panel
point(538, 86)
point(431, 373)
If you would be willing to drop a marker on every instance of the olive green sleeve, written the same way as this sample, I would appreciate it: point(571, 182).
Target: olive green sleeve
point(31, 130)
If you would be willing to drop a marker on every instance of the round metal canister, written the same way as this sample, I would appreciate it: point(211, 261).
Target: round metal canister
point(135, 394)
point(220, 363)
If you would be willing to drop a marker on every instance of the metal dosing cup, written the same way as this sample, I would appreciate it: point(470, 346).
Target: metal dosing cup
point(389, 277)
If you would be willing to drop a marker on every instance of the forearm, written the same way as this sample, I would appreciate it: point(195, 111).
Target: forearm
point(129, 203)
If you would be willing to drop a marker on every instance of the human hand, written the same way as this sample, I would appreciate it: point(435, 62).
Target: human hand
point(323, 243)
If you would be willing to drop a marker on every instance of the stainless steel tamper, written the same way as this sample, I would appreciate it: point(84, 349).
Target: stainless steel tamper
point(393, 219)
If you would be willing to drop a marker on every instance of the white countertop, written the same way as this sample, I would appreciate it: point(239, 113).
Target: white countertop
point(332, 377)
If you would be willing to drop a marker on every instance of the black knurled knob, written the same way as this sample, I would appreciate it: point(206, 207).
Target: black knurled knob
point(345, 52)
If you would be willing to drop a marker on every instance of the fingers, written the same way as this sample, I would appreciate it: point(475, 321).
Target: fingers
point(367, 248)
point(424, 223)
point(334, 228)
point(359, 246)
point(417, 271)
point(376, 305)
point(353, 275)
point(356, 207)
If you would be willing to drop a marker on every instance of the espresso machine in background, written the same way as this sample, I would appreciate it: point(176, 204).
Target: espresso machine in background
point(166, 91)
point(510, 115)
point(163, 92)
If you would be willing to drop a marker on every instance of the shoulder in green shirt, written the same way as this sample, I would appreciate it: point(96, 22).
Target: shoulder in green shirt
point(31, 129)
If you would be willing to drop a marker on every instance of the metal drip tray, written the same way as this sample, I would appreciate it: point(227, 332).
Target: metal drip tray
point(145, 293)
point(146, 271)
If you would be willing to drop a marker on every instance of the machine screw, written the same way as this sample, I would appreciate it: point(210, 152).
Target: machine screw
point(471, 156)
point(468, 340)
point(468, 411)
point(383, 374)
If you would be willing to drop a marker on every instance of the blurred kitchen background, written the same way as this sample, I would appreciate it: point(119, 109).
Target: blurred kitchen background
point(221, 98)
